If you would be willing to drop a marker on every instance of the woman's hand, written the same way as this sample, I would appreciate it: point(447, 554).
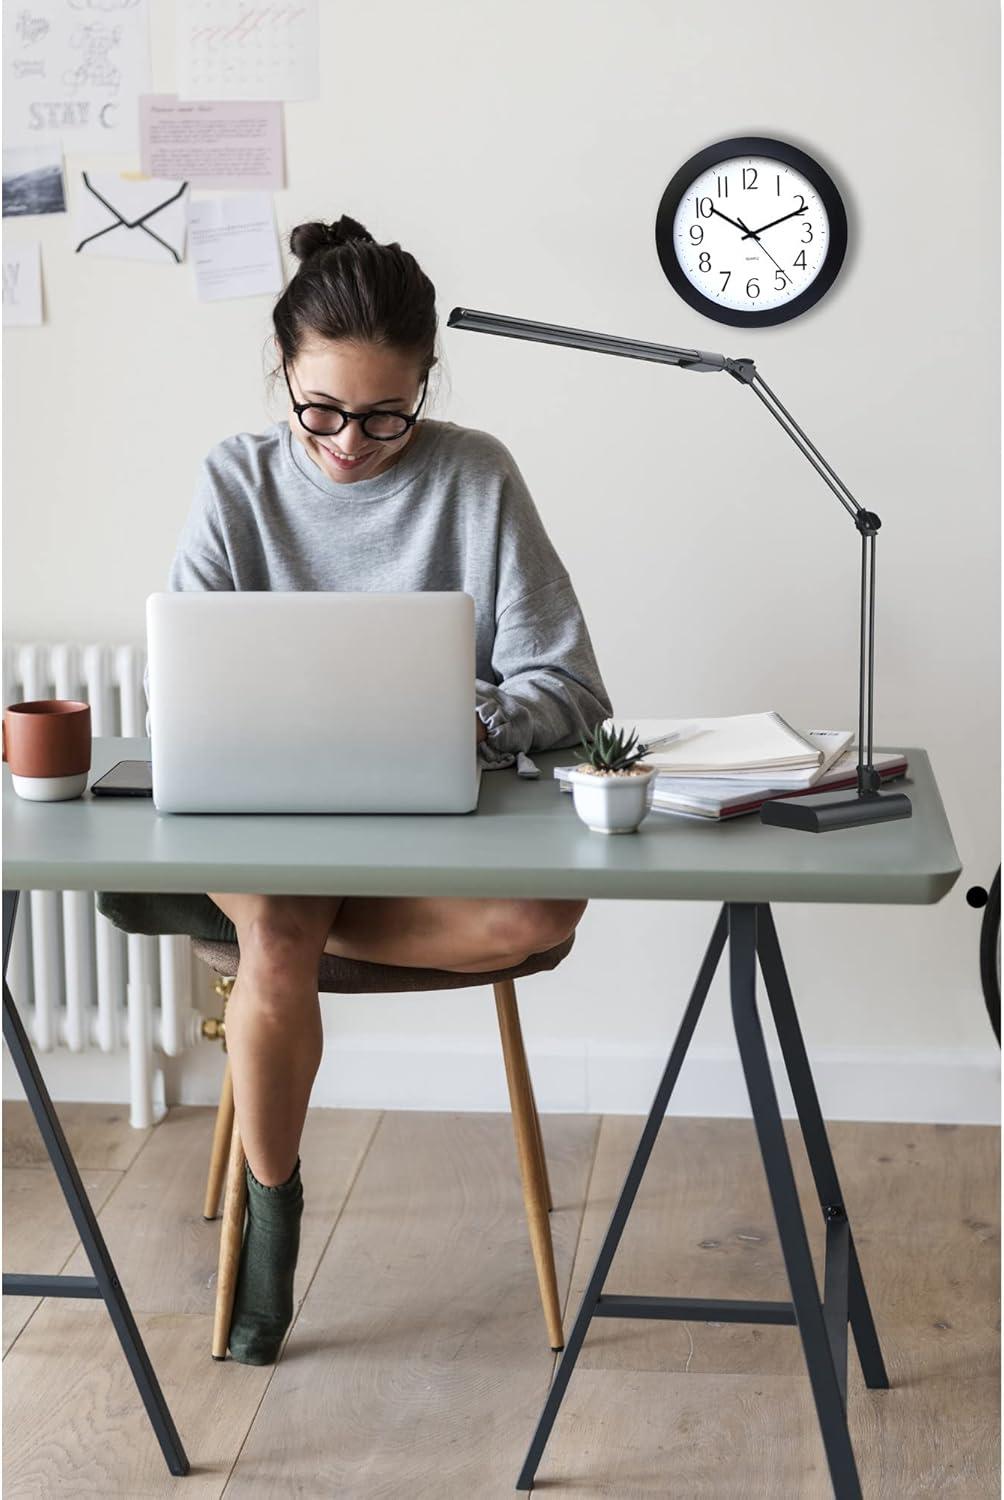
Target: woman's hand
point(482, 730)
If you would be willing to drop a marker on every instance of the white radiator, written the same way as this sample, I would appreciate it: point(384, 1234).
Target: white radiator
point(77, 979)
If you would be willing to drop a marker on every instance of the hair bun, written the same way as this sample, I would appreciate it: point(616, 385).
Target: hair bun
point(308, 239)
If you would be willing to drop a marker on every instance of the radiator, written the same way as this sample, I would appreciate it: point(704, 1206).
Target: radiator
point(78, 981)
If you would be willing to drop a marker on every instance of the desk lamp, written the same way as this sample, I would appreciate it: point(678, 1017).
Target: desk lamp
point(821, 811)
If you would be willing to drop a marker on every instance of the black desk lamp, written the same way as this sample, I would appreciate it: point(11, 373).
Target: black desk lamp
point(823, 810)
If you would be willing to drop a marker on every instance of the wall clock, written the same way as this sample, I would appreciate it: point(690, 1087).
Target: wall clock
point(751, 231)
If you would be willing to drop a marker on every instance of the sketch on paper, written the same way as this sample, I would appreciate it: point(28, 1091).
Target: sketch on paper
point(73, 71)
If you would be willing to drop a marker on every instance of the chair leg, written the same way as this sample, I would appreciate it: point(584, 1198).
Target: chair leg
point(529, 1150)
point(231, 1240)
point(221, 1145)
point(520, 1054)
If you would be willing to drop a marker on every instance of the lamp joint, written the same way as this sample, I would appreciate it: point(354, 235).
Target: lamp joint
point(867, 522)
point(743, 370)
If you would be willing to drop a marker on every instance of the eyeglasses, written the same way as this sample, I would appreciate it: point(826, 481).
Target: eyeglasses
point(325, 421)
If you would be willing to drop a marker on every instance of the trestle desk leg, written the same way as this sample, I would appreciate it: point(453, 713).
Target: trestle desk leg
point(105, 1283)
point(627, 1196)
point(819, 1356)
point(839, 1238)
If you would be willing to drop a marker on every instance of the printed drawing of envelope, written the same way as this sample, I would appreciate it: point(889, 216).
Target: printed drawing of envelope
point(131, 218)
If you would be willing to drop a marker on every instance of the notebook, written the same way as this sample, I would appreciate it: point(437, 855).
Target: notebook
point(721, 746)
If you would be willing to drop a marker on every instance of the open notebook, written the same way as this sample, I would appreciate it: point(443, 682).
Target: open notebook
point(719, 747)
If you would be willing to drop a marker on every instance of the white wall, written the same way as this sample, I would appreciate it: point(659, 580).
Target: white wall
point(520, 152)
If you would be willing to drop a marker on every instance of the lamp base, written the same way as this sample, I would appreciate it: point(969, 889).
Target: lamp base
point(830, 810)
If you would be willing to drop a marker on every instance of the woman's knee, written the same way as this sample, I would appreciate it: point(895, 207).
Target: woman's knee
point(534, 926)
point(281, 933)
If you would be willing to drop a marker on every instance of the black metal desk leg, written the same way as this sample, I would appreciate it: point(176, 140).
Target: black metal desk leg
point(817, 1148)
point(627, 1196)
point(105, 1284)
point(784, 1197)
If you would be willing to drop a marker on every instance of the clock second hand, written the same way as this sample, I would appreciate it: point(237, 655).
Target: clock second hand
point(763, 247)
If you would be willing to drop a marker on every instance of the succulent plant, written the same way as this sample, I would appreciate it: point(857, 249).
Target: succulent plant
point(607, 751)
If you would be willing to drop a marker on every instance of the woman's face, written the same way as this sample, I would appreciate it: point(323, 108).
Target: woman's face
point(356, 378)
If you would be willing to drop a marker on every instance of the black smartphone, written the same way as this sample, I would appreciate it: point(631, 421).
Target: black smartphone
point(129, 778)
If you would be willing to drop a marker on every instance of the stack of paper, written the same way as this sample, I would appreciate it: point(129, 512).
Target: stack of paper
point(719, 798)
point(722, 747)
point(722, 768)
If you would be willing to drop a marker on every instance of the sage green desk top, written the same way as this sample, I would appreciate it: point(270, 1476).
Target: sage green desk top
point(524, 840)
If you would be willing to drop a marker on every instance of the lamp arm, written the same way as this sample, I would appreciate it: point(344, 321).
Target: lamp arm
point(867, 523)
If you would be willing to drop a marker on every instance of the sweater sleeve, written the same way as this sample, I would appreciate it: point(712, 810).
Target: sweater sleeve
point(547, 690)
point(200, 558)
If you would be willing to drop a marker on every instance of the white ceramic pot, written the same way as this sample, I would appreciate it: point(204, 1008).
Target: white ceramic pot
point(612, 803)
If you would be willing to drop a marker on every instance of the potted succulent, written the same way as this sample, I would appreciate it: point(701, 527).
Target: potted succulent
point(612, 787)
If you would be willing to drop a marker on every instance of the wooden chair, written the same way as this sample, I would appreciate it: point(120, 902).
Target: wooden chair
point(350, 976)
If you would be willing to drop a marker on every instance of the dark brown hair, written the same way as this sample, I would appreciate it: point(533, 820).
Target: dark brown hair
point(349, 287)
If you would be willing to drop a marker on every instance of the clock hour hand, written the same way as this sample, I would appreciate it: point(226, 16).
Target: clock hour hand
point(755, 233)
point(766, 252)
point(734, 222)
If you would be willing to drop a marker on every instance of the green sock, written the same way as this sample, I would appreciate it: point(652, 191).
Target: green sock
point(263, 1304)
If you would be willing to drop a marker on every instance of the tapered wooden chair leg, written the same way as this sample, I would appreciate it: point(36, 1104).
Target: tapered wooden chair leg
point(519, 1054)
point(534, 1113)
point(231, 1240)
point(221, 1146)
point(529, 1153)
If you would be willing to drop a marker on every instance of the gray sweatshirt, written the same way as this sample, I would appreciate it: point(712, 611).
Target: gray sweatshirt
point(453, 513)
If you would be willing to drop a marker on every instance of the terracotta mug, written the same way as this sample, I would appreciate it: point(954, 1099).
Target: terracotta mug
point(47, 744)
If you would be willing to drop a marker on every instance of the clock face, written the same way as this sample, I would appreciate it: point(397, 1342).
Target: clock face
point(751, 236)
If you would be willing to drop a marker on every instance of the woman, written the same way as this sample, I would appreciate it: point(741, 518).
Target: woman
point(356, 492)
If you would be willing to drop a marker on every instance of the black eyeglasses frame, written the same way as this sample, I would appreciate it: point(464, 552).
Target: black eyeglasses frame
point(409, 418)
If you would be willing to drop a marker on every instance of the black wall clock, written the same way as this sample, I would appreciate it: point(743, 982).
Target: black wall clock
point(751, 231)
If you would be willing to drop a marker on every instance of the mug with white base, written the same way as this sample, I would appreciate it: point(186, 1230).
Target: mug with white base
point(47, 744)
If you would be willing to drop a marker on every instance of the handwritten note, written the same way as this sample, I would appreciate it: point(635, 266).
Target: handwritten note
point(234, 247)
point(22, 283)
point(247, 49)
point(212, 144)
point(73, 71)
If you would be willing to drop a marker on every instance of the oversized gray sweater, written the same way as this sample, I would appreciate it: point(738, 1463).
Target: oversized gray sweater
point(453, 513)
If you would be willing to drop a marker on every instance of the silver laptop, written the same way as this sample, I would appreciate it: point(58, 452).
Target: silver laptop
point(312, 702)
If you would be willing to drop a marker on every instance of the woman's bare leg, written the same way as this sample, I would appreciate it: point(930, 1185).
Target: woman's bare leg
point(467, 935)
point(274, 1032)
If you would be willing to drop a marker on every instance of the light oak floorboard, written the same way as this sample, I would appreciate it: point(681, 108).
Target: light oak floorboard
point(755, 1437)
point(418, 1363)
point(420, 1360)
point(38, 1233)
point(99, 1135)
point(74, 1424)
point(924, 1209)
point(166, 1254)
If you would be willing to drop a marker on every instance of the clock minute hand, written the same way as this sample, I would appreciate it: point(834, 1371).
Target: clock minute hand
point(754, 233)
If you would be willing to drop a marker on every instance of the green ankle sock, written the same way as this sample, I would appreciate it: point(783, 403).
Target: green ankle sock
point(263, 1303)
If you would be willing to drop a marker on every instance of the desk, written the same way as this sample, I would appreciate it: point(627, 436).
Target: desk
point(525, 840)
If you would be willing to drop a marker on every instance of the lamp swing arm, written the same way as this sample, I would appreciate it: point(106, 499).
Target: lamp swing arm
point(867, 523)
point(744, 370)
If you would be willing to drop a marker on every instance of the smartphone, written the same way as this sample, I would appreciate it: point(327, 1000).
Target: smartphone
point(129, 778)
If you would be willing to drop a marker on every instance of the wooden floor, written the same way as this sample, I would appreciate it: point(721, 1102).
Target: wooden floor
point(418, 1361)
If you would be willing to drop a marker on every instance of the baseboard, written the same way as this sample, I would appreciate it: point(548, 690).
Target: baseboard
point(959, 1086)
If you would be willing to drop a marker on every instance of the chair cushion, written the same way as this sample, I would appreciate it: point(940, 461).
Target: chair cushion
point(351, 976)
